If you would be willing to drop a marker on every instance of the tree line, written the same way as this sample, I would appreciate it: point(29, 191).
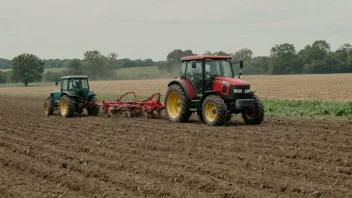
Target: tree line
point(316, 58)
point(64, 63)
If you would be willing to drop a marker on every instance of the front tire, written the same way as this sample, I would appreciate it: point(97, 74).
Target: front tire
point(214, 110)
point(67, 106)
point(177, 104)
point(257, 115)
point(48, 107)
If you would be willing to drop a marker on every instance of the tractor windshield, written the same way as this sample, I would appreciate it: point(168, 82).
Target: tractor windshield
point(78, 84)
point(218, 68)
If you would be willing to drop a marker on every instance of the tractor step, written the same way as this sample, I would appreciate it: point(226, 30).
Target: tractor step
point(194, 105)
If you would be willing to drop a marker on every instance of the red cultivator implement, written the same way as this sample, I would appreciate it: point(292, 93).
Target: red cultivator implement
point(148, 108)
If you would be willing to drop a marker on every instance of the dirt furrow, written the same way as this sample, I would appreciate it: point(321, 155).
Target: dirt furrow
point(86, 156)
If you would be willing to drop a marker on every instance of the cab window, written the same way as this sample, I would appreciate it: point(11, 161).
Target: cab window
point(183, 69)
point(191, 72)
point(64, 84)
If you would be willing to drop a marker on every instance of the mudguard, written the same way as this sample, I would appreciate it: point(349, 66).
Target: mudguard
point(89, 94)
point(55, 95)
point(188, 88)
point(207, 93)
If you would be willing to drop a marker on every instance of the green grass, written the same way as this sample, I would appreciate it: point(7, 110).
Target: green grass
point(308, 108)
point(137, 73)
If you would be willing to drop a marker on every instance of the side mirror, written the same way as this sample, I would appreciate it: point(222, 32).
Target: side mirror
point(241, 64)
point(194, 65)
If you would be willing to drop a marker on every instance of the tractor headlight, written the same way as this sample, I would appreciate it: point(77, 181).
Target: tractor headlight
point(240, 90)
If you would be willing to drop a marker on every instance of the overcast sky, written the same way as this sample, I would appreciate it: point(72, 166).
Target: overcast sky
point(152, 28)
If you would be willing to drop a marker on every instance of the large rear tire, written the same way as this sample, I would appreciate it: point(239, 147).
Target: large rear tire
point(177, 104)
point(48, 107)
point(93, 110)
point(257, 115)
point(67, 106)
point(214, 110)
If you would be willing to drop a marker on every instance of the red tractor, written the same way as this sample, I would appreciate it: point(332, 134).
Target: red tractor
point(207, 86)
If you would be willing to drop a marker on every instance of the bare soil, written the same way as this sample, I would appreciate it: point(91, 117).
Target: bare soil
point(85, 156)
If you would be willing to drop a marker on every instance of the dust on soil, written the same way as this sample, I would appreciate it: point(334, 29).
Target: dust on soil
point(108, 157)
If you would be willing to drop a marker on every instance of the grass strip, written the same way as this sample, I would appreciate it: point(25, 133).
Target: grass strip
point(307, 108)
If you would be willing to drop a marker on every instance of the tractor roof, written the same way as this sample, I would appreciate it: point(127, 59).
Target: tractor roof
point(204, 57)
point(74, 76)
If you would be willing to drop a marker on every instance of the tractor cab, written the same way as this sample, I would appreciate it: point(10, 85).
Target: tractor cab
point(201, 71)
point(75, 84)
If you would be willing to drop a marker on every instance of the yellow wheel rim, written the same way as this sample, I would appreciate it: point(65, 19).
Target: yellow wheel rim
point(174, 105)
point(46, 108)
point(250, 115)
point(210, 111)
point(63, 107)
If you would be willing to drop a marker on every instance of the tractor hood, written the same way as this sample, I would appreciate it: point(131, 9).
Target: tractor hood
point(55, 95)
point(232, 81)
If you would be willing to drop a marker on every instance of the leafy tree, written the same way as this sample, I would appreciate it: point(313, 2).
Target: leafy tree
point(113, 62)
point(5, 64)
point(175, 55)
point(2, 77)
point(318, 50)
point(344, 52)
point(174, 59)
point(54, 76)
point(218, 53)
point(243, 54)
point(346, 47)
point(260, 63)
point(221, 53)
point(304, 55)
point(148, 62)
point(284, 60)
point(27, 68)
point(9, 77)
point(207, 53)
point(75, 67)
point(96, 65)
point(56, 63)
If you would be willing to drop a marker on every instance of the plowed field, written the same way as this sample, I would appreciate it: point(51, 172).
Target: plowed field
point(108, 157)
